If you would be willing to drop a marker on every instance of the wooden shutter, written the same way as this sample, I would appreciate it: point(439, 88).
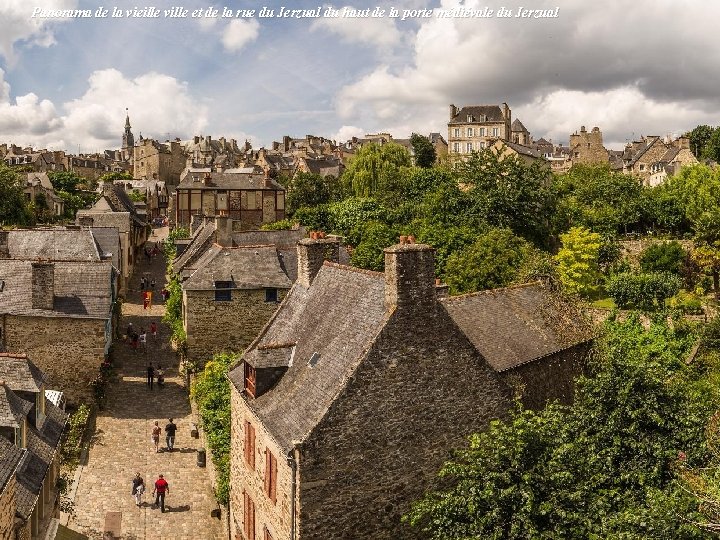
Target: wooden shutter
point(248, 516)
point(270, 475)
point(249, 444)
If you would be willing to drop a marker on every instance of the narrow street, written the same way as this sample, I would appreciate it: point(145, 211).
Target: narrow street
point(122, 446)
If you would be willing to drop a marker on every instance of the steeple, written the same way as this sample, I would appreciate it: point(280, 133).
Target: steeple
point(128, 141)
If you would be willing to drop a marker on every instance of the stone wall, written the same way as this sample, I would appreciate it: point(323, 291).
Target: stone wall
point(422, 390)
point(7, 509)
point(217, 326)
point(68, 350)
point(548, 379)
point(274, 516)
point(587, 147)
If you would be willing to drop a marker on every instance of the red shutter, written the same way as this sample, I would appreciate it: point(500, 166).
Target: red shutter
point(248, 517)
point(273, 478)
point(249, 444)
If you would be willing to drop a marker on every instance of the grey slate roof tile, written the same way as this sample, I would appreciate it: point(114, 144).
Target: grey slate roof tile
point(53, 244)
point(516, 325)
point(10, 456)
point(493, 113)
point(20, 374)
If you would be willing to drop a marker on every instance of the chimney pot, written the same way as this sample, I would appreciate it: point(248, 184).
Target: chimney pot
point(312, 252)
point(411, 239)
point(403, 240)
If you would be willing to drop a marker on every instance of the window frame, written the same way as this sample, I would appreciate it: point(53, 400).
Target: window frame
point(223, 291)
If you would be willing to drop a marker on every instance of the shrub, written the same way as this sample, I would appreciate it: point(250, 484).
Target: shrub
point(666, 257)
point(645, 291)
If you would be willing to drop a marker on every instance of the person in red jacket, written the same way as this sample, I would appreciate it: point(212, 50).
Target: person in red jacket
point(161, 488)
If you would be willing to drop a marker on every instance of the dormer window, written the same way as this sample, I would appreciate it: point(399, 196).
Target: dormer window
point(250, 379)
point(223, 291)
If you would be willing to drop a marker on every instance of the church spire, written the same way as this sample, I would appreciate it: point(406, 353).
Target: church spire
point(128, 140)
point(127, 120)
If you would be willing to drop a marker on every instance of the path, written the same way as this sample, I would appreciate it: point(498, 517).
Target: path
point(122, 445)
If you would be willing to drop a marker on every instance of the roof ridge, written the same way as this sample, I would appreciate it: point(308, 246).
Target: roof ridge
point(372, 273)
point(245, 246)
point(487, 291)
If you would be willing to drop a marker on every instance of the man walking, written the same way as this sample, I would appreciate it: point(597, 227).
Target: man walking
point(161, 488)
point(150, 375)
point(170, 430)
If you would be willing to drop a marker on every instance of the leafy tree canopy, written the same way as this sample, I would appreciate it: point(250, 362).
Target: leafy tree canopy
point(577, 260)
point(424, 151)
point(13, 206)
point(374, 166)
point(308, 189)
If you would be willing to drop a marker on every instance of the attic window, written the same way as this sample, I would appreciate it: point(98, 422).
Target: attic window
point(223, 291)
point(314, 359)
point(2, 285)
point(271, 295)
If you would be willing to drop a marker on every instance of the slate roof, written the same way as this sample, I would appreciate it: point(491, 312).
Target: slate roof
point(82, 289)
point(517, 125)
point(12, 408)
point(201, 240)
point(39, 178)
point(437, 138)
point(284, 241)
point(10, 456)
point(118, 199)
point(248, 267)
point(226, 180)
point(108, 241)
point(516, 325)
point(524, 150)
point(42, 446)
point(337, 319)
point(479, 113)
point(20, 374)
point(53, 244)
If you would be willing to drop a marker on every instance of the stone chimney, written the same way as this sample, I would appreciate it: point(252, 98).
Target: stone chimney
point(286, 143)
point(453, 112)
point(43, 285)
point(4, 246)
point(107, 187)
point(410, 276)
point(195, 221)
point(267, 181)
point(223, 231)
point(312, 252)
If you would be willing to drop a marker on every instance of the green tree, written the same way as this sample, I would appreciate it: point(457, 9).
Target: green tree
point(577, 261)
point(508, 193)
point(309, 189)
point(374, 166)
point(601, 468)
point(664, 257)
point(112, 176)
point(699, 139)
point(493, 260)
point(647, 291)
point(13, 205)
point(424, 151)
point(375, 237)
point(66, 181)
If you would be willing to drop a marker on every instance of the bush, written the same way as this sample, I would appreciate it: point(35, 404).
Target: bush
point(644, 291)
point(211, 392)
point(687, 302)
point(282, 225)
point(667, 257)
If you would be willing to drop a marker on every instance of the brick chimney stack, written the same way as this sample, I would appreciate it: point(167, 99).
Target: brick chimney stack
point(410, 276)
point(312, 252)
point(43, 285)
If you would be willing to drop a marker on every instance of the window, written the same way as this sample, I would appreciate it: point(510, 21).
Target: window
point(271, 295)
point(469, 147)
point(482, 144)
point(248, 517)
point(457, 132)
point(223, 291)
point(270, 475)
point(250, 379)
point(456, 147)
point(642, 167)
point(470, 132)
point(249, 444)
point(481, 132)
point(280, 200)
point(496, 132)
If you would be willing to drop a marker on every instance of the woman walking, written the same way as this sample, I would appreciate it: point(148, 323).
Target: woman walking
point(138, 488)
point(155, 437)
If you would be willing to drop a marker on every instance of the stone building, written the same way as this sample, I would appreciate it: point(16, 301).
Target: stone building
point(475, 127)
point(587, 147)
point(352, 397)
point(157, 161)
point(651, 158)
point(116, 209)
point(440, 145)
point(30, 430)
point(60, 312)
point(524, 153)
point(519, 133)
point(39, 190)
point(247, 197)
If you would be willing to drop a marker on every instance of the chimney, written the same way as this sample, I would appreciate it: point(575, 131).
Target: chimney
point(223, 231)
point(195, 221)
point(107, 187)
point(453, 112)
point(311, 253)
point(275, 146)
point(267, 182)
point(410, 276)
point(4, 246)
point(196, 139)
point(43, 285)
point(207, 178)
point(441, 289)
point(286, 143)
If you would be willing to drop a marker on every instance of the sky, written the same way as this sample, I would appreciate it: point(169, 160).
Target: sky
point(646, 67)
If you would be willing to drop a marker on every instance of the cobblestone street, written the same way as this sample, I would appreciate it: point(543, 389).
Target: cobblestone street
point(121, 445)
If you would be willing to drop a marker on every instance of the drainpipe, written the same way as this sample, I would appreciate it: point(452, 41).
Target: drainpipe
point(293, 488)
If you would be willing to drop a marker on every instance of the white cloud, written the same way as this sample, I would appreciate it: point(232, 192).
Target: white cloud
point(240, 32)
point(376, 31)
point(346, 133)
point(159, 105)
point(17, 23)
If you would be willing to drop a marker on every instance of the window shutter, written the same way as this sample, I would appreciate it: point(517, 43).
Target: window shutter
point(273, 478)
point(268, 471)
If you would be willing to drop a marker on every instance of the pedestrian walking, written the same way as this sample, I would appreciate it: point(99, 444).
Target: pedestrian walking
point(134, 341)
point(138, 488)
point(143, 340)
point(152, 284)
point(165, 294)
point(153, 329)
point(160, 376)
point(155, 436)
point(170, 430)
point(162, 488)
point(150, 376)
point(142, 283)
